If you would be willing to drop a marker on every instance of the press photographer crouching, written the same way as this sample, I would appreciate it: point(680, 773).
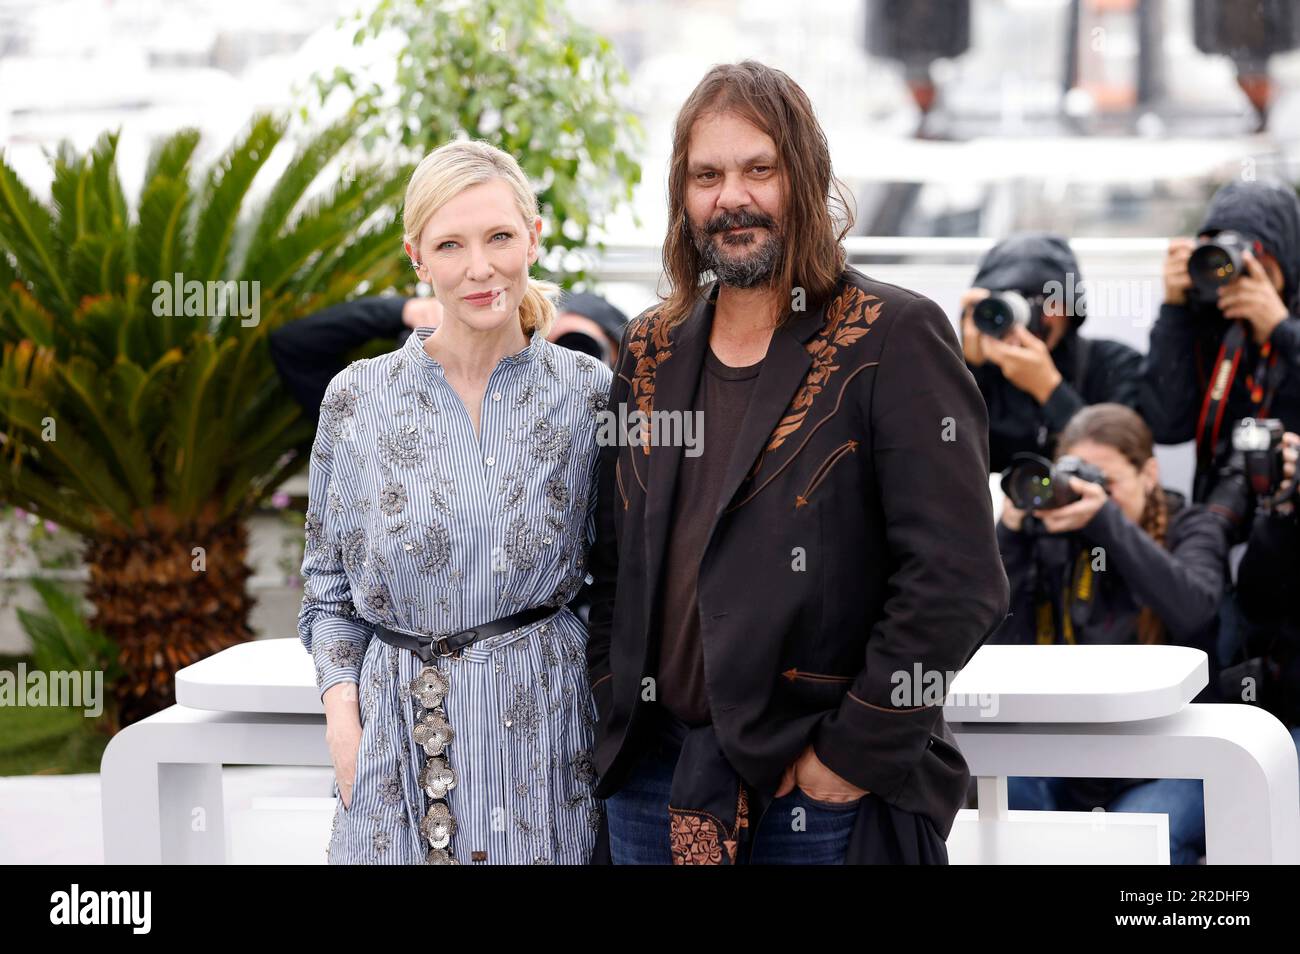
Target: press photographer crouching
point(1226, 345)
point(1020, 336)
point(1269, 673)
point(1096, 551)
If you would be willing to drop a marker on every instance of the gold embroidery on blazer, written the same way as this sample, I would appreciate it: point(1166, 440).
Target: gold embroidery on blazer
point(648, 345)
point(849, 316)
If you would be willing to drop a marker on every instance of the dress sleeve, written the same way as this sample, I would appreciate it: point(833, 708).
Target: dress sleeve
point(328, 623)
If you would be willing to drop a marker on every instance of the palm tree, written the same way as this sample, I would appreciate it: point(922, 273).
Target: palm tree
point(151, 430)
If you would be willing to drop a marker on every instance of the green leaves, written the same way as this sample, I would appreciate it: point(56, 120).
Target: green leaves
point(227, 184)
point(128, 397)
point(520, 74)
point(61, 640)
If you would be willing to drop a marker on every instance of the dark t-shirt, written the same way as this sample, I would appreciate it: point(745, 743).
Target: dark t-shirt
point(721, 397)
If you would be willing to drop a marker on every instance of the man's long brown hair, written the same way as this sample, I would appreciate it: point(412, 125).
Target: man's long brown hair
point(815, 215)
point(1120, 427)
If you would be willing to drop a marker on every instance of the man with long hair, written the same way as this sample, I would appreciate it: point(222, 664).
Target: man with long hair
point(793, 585)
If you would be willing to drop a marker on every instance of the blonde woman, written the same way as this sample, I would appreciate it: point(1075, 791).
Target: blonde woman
point(450, 514)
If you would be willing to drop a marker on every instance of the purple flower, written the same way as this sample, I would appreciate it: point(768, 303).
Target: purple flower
point(51, 526)
point(279, 500)
point(20, 513)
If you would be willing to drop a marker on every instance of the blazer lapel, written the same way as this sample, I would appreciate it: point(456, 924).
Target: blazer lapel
point(784, 368)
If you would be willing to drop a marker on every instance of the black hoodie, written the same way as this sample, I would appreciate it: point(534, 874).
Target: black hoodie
point(1185, 339)
point(1093, 373)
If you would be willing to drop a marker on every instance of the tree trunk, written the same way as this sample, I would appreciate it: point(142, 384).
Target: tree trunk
point(166, 605)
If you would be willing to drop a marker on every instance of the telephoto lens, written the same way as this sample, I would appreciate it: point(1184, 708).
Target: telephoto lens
point(997, 314)
point(1035, 483)
point(1217, 261)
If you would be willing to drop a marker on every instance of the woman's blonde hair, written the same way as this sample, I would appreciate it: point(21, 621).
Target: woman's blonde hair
point(454, 167)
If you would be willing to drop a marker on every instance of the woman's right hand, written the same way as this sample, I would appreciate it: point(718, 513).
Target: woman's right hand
point(970, 335)
point(343, 735)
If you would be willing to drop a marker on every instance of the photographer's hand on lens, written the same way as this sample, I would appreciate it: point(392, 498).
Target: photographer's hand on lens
point(1177, 279)
point(1024, 361)
point(1077, 515)
point(972, 344)
point(1254, 298)
point(1012, 516)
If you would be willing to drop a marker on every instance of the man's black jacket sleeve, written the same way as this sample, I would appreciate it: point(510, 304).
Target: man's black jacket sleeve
point(308, 352)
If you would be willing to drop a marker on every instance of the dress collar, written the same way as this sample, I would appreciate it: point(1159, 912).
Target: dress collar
point(415, 346)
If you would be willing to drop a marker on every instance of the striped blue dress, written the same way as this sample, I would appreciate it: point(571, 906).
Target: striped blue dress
point(416, 522)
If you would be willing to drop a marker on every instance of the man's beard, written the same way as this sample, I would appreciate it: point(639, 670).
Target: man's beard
point(755, 268)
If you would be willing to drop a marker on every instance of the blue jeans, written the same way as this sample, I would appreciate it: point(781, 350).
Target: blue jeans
point(795, 830)
point(1182, 799)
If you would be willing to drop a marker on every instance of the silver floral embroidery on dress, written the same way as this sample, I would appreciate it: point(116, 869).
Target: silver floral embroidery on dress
point(522, 544)
point(392, 498)
point(379, 601)
point(314, 529)
point(557, 493)
point(512, 488)
point(550, 442)
point(401, 447)
point(344, 653)
point(353, 547)
point(432, 552)
point(337, 408)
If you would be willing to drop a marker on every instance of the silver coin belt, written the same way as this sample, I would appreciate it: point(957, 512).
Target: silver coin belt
point(433, 734)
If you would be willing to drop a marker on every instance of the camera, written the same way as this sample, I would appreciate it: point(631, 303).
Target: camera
point(1218, 261)
point(1001, 311)
point(1036, 483)
point(1259, 442)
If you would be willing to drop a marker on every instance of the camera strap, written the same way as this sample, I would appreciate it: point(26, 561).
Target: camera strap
point(1265, 379)
point(1079, 592)
point(1210, 424)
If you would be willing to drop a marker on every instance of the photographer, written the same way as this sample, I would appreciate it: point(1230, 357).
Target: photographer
point(1272, 615)
point(1228, 316)
point(1124, 561)
point(1038, 374)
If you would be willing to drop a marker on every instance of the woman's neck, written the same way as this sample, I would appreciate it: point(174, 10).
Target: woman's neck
point(470, 354)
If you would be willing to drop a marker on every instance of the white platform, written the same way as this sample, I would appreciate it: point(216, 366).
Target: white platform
point(1083, 711)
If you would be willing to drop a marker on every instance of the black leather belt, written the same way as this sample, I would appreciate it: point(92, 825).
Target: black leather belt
point(426, 648)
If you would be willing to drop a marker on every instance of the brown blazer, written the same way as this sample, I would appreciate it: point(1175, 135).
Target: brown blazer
point(855, 541)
